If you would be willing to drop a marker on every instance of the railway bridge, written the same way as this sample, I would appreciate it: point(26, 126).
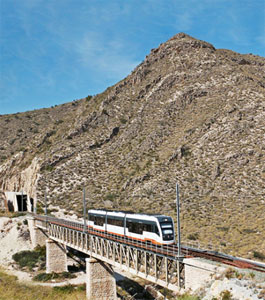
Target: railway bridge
point(161, 265)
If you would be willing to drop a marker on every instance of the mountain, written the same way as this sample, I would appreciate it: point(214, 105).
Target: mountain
point(189, 113)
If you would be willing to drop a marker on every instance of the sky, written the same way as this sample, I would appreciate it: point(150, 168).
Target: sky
point(56, 51)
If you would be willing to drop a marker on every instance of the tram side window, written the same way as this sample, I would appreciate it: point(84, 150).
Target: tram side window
point(147, 227)
point(129, 225)
point(91, 218)
point(115, 222)
point(156, 230)
point(99, 221)
point(135, 227)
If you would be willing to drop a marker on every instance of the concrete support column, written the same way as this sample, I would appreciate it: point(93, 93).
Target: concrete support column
point(56, 258)
point(101, 284)
point(37, 235)
point(199, 271)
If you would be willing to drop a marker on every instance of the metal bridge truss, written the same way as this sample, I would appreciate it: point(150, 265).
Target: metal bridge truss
point(149, 262)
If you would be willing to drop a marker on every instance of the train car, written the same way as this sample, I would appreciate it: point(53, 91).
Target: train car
point(155, 229)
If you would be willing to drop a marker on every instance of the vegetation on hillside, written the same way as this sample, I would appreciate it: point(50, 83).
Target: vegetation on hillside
point(188, 113)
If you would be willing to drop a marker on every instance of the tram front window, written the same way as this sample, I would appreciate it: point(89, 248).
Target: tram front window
point(167, 231)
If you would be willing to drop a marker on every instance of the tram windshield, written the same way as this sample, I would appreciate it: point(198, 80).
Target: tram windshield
point(167, 230)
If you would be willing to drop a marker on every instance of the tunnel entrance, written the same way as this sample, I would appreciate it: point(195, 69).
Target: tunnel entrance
point(22, 202)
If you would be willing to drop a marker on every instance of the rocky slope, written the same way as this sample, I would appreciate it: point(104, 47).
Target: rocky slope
point(188, 113)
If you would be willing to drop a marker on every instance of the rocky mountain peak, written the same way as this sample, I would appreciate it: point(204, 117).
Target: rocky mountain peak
point(188, 113)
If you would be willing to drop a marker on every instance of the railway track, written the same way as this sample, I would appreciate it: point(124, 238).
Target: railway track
point(226, 259)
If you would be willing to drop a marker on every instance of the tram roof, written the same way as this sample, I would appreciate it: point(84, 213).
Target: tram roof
point(125, 212)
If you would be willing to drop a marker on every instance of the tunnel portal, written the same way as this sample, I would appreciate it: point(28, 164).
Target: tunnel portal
point(22, 202)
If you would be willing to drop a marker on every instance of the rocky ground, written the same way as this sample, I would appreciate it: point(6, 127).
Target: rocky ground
point(14, 237)
point(246, 287)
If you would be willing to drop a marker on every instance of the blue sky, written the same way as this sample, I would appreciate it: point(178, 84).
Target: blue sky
point(55, 51)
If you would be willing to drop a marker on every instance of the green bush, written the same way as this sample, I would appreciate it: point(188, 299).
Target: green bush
point(110, 197)
point(57, 122)
point(259, 255)
point(30, 259)
point(49, 168)
point(88, 98)
point(230, 273)
point(188, 297)
point(193, 236)
point(47, 277)
point(65, 289)
point(40, 210)
point(225, 229)
point(226, 295)
point(123, 120)
point(17, 214)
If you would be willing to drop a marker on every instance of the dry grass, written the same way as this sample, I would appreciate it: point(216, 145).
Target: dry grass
point(10, 288)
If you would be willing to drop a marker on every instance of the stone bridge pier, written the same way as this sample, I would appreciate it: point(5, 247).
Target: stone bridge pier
point(101, 284)
point(38, 236)
point(56, 257)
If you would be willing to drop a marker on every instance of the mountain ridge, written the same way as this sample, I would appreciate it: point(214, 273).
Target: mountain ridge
point(189, 113)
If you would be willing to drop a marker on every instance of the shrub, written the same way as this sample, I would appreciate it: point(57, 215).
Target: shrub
point(18, 214)
point(51, 276)
point(239, 275)
point(188, 297)
point(226, 295)
point(259, 255)
point(247, 230)
point(65, 289)
point(49, 168)
point(30, 259)
point(185, 151)
point(81, 287)
point(229, 273)
point(40, 210)
point(123, 120)
point(193, 236)
point(45, 277)
point(225, 229)
point(57, 122)
point(110, 197)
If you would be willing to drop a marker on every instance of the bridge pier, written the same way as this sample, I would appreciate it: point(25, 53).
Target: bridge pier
point(56, 257)
point(38, 236)
point(101, 284)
